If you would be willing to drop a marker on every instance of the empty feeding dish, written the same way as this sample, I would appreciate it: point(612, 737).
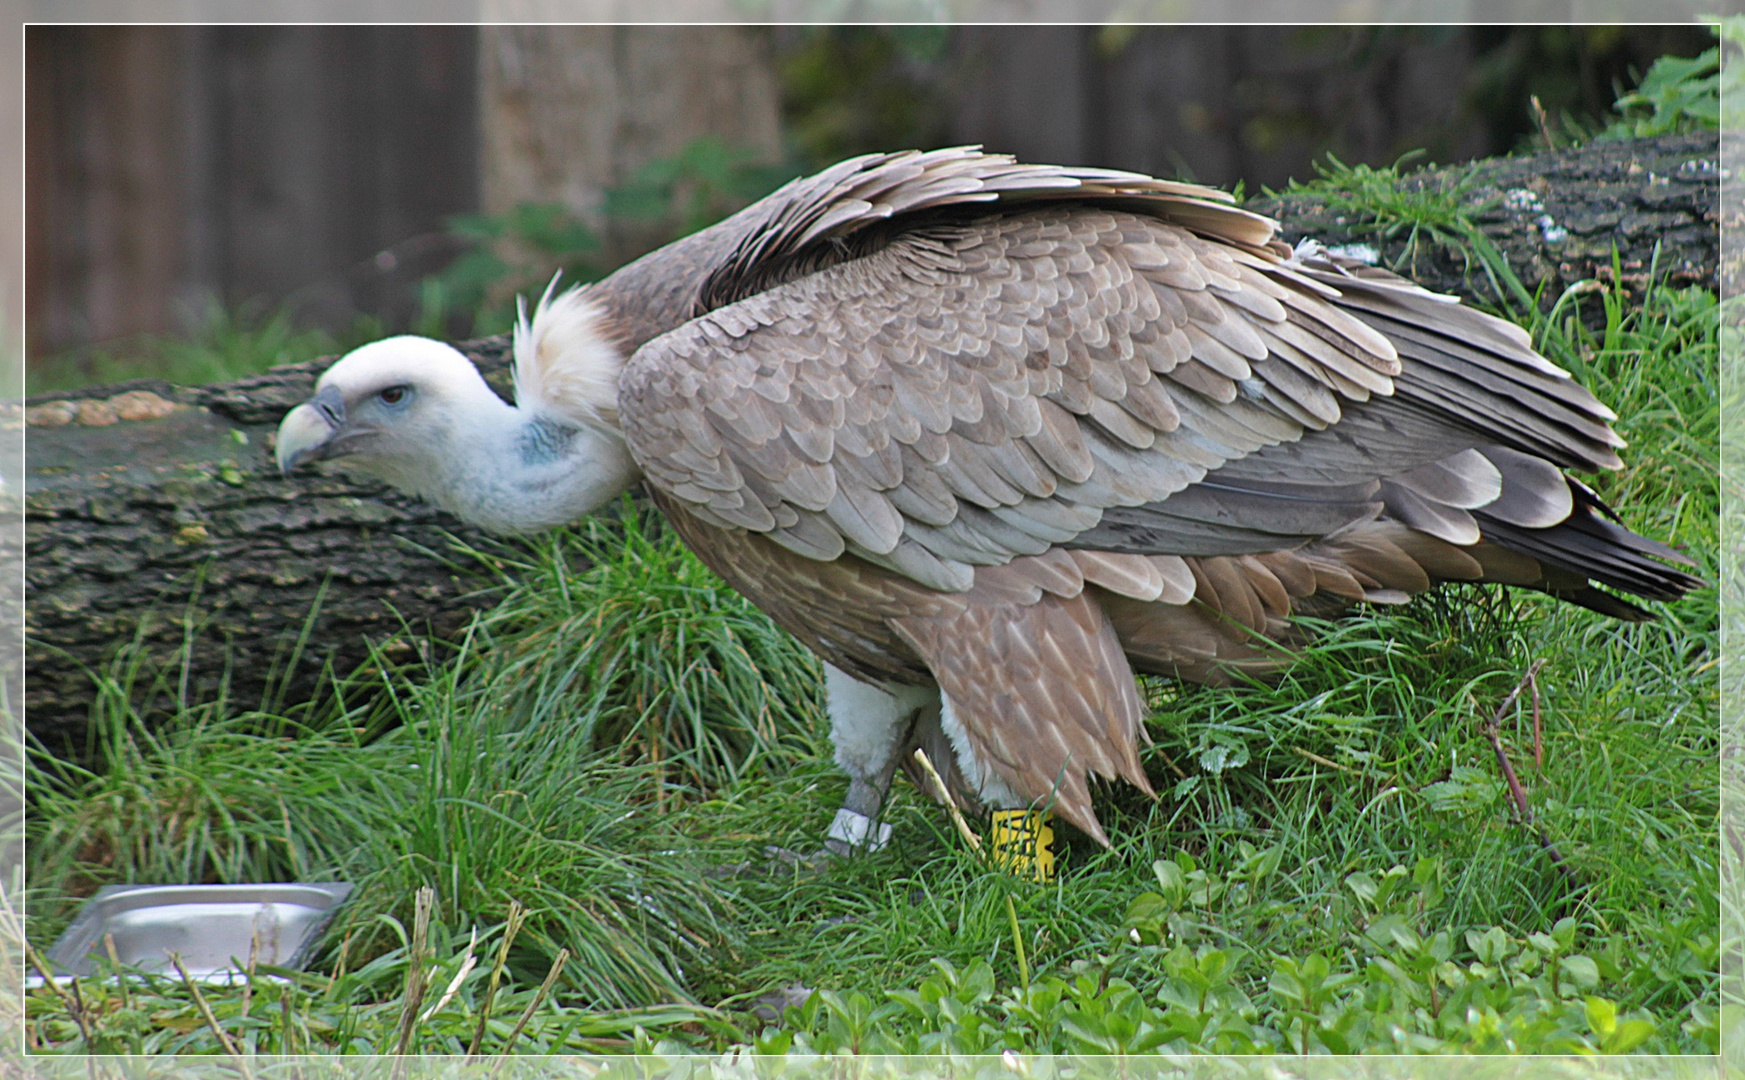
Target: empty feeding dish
point(212, 928)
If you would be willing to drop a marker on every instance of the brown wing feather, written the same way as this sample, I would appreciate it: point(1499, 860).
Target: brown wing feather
point(1023, 364)
point(813, 221)
point(1034, 669)
point(1043, 691)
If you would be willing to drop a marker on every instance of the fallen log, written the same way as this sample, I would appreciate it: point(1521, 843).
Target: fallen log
point(159, 535)
point(1558, 217)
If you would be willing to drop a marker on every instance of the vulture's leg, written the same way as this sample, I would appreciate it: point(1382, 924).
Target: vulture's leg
point(869, 725)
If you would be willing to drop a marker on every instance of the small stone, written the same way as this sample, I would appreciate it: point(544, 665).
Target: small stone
point(93, 413)
point(141, 405)
point(51, 414)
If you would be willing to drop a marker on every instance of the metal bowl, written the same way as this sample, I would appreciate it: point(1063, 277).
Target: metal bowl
point(211, 927)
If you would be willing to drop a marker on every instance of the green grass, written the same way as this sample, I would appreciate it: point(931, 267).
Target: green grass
point(436, 783)
point(1431, 213)
point(659, 658)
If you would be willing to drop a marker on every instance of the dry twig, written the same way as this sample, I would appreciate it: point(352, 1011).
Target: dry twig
point(254, 955)
point(1493, 732)
point(1538, 730)
point(421, 905)
point(1319, 760)
point(339, 964)
point(563, 956)
point(211, 1019)
point(516, 914)
point(1169, 761)
point(115, 963)
point(67, 1003)
point(83, 1012)
point(969, 837)
point(1544, 122)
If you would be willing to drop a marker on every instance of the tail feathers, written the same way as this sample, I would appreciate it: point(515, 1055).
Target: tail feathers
point(1603, 602)
point(1587, 549)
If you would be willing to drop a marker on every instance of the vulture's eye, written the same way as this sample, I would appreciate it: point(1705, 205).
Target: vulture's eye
point(395, 395)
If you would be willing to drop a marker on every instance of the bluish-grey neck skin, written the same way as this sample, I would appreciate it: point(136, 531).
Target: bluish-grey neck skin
point(542, 441)
point(509, 471)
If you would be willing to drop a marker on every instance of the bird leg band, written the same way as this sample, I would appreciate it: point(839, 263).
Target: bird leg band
point(1022, 843)
point(857, 831)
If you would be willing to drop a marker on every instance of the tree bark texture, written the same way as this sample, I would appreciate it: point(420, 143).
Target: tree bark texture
point(155, 514)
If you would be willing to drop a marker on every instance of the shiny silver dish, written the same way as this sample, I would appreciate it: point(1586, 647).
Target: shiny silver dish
point(211, 927)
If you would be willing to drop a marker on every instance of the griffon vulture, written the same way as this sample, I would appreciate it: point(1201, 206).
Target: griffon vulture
point(991, 437)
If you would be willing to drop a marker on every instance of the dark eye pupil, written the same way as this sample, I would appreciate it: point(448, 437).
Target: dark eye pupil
point(393, 395)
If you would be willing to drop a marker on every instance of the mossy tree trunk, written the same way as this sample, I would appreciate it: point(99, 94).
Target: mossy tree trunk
point(158, 529)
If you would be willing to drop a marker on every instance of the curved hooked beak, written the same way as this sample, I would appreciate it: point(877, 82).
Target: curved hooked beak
point(308, 432)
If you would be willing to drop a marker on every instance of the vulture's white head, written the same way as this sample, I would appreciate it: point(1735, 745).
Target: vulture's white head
point(417, 414)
